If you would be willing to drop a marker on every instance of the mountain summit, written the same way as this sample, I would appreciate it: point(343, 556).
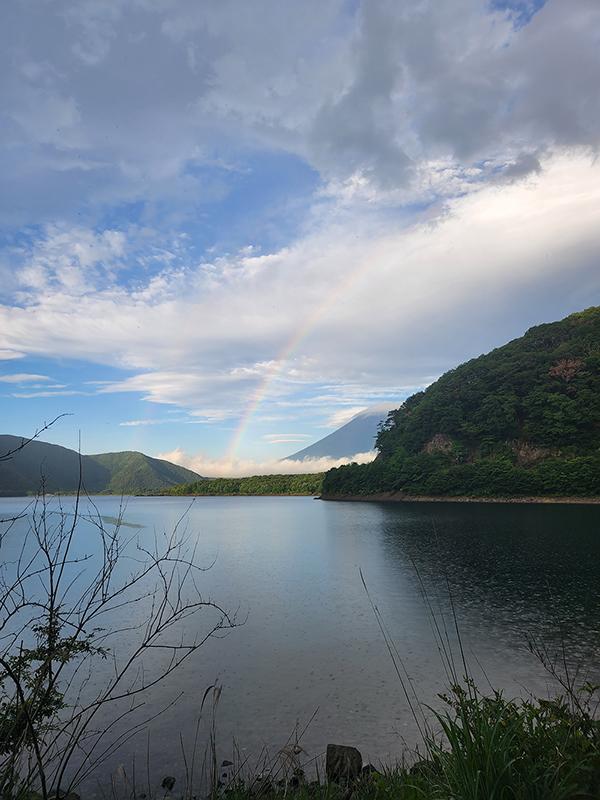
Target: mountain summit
point(356, 436)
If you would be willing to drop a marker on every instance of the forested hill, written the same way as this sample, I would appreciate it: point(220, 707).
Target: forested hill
point(305, 484)
point(111, 473)
point(521, 420)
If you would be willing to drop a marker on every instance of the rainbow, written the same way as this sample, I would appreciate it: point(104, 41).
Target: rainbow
point(283, 356)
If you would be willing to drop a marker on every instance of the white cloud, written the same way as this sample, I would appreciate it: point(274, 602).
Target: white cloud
point(71, 260)
point(136, 423)
point(344, 415)
point(23, 377)
point(363, 303)
point(236, 468)
point(47, 386)
point(59, 393)
point(372, 94)
point(286, 438)
point(457, 190)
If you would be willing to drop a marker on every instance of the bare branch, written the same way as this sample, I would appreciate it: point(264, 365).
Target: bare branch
point(62, 602)
point(24, 442)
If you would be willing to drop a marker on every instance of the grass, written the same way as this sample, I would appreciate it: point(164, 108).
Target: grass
point(487, 748)
point(478, 747)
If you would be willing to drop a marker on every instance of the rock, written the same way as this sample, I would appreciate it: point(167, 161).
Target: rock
point(369, 770)
point(422, 767)
point(342, 764)
point(262, 785)
point(440, 443)
point(168, 782)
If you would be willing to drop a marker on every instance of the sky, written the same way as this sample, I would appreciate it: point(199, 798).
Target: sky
point(227, 227)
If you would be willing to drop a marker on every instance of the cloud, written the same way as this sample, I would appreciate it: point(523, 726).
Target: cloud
point(236, 468)
point(446, 152)
point(23, 377)
point(342, 416)
point(379, 92)
point(32, 395)
point(136, 423)
point(47, 386)
point(286, 438)
point(524, 164)
point(360, 307)
point(71, 260)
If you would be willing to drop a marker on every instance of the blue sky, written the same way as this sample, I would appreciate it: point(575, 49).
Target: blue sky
point(225, 228)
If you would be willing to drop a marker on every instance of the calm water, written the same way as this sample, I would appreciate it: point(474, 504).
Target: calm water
point(311, 643)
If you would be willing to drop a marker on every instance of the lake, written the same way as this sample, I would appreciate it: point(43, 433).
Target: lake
point(310, 644)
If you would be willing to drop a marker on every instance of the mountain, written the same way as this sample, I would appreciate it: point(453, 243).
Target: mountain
point(521, 420)
point(112, 473)
point(356, 436)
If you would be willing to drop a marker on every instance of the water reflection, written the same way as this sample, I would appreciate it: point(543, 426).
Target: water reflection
point(518, 570)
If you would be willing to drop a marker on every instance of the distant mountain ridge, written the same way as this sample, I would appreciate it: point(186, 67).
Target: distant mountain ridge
point(356, 436)
point(127, 472)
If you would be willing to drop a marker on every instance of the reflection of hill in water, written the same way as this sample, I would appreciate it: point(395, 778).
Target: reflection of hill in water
point(519, 570)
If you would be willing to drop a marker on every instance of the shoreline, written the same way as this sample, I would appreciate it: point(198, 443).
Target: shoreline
point(400, 497)
point(382, 497)
point(102, 494)
point(238, 494)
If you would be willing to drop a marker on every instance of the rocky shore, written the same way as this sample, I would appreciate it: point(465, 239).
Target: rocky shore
point(402, 497)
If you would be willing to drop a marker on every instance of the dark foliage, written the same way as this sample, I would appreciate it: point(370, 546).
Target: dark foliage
point(255, 485)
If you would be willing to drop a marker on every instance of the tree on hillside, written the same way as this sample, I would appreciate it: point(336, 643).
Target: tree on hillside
point(521, 420)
